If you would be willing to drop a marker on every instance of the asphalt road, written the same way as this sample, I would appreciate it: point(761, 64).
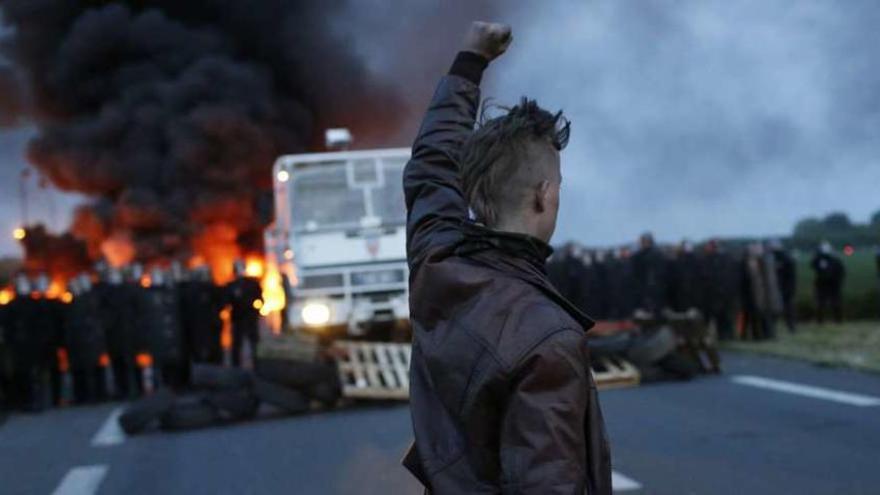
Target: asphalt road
point(764, 433)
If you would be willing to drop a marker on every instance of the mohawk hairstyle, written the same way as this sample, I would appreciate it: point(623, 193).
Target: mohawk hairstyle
point(496, 161)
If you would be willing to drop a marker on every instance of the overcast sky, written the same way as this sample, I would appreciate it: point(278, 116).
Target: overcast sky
point(690, 118)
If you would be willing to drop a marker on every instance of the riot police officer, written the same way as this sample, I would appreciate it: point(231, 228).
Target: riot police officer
point(829, 276)
point(31, 328)
point(200, 305)
point(650, 269)
point(85, 340)
point(117, 305)
point(159, 329)
point(244, 295)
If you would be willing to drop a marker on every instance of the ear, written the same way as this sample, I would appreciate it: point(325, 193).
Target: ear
point(542, 196)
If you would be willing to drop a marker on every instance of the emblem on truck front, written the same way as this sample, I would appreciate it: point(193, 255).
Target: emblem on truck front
point(373, 245)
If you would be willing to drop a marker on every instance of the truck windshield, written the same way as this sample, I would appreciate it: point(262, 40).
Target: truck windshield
point(348, 194)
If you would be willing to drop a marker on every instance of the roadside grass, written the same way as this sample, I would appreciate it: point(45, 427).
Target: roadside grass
point(853, 344)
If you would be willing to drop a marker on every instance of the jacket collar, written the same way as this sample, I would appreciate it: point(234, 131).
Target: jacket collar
point(523, 246)
point(477, 238)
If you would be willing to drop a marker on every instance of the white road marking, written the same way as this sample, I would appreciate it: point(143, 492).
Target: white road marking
point(110, 433)
point(82, 480)
point(620, 483)
point(808, 391)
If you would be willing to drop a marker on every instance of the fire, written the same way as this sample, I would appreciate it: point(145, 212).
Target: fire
point(118, 250)
point(56, 288)
point(19, 233)
point(226, 333)
point(273, 295)
point(6, 295)
point(146, 280)
point(67, 298)
point(254, 267)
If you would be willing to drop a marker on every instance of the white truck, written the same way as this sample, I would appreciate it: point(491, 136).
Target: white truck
point(340, 228)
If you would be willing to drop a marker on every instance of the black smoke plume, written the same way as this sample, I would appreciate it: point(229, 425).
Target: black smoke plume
point(170, 113)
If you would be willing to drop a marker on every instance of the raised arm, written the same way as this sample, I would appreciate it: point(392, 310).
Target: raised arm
point(434, 202)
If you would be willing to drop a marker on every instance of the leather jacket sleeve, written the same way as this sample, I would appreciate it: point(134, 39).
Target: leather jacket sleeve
point(543, 427)
point(434, 202)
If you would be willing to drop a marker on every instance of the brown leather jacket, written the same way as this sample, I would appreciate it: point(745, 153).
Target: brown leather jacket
point(501, 394)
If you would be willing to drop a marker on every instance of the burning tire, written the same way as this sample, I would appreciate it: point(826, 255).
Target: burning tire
point(218, 377)
point(189, 413)
point(290, 400)
point(235, 404)
point(140, 414)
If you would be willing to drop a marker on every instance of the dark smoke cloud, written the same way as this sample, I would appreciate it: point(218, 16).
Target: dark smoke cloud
point(171, 113)
point(11, 98)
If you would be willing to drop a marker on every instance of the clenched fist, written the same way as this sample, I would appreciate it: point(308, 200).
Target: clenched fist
point(488, 39)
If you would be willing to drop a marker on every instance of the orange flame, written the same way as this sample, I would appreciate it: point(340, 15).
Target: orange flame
point(118, 250)
point(144, 360)
point(146, 280)
point(226, 333)
point(6, 295)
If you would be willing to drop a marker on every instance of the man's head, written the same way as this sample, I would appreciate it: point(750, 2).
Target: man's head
point(646, 241)
point(510, 170)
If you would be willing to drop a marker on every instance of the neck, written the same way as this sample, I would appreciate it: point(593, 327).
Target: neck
point(518, 226)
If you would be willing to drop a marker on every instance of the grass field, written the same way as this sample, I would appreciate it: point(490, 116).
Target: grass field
point(860, 290)
point(852, 344)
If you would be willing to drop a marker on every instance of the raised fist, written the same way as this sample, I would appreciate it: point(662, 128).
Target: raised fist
point(488, 39)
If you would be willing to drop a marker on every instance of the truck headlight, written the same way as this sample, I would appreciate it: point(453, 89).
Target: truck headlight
point(316, 313)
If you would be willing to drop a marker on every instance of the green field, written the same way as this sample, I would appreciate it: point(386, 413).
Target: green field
point(852, 344)
point(860, 291)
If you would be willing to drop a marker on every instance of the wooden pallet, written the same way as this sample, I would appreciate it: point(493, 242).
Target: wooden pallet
point(374, 370)
point(378, 370)
point(614, 372)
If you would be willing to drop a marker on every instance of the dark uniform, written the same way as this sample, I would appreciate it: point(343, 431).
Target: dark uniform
point(31, 333)
point(651, 271)
point(200, 305)
point(86, 342)
point(621, 287)
point(117, 309)
point(685, 285)
point(241, 294)
point(830, 274)
point(786, 276)
point(720, 283)
point(160, 333)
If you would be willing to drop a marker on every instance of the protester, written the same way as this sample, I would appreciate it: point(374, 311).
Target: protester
point(828, 282)
point(501, 394)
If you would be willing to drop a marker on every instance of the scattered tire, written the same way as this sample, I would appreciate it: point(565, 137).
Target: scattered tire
point(286, 398)
point(652, 347)
point(145, 411)
point(610, 345)
point(326, 392)
point(681, 366)
point(218, 377)
point(297, 374)
point(187, 414)
point(234, 404)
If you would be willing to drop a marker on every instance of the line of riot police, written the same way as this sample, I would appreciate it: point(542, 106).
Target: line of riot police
point(758, 284)
point(118, 333)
